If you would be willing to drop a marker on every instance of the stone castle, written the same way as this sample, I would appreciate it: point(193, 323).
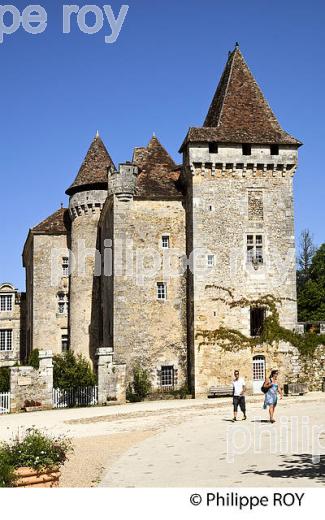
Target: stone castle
point(150, 257)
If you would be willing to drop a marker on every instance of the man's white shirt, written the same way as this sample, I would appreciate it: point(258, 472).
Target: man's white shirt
point(238, 386)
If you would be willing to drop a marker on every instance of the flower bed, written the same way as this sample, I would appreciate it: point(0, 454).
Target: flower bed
point(33, 461)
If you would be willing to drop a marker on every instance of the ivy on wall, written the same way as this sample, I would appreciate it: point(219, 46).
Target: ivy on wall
point(273, 332)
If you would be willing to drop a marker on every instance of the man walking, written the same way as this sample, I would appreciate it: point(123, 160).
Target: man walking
point(239, 395)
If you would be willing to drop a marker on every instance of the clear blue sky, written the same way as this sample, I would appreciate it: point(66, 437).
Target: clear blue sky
point(56, 90)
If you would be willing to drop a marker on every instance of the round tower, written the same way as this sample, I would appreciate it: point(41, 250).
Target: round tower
point(87, 197)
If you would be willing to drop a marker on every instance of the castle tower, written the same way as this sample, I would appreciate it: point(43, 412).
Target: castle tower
point(87, 196)
point(239, 170)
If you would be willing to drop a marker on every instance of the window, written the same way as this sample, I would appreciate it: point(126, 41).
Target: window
point(210, 260)
point(257, 320)
point(161, 291)
point(274, 149)
point(165, 242)
point(64, 343)
point(65, 266)
point(5, 340)
point(63, 303)
point(6, 302)
point(259, 368)
point(255, 249)
point(247, 149)
point(213, 148)
point(168, 377)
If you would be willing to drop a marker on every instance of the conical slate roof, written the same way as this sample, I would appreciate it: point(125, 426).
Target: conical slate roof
point(158, 172)
point(239, 112)
point(93, 171)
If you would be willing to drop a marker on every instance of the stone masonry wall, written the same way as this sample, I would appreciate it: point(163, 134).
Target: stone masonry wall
point(45, 321)
point(139, 327)
point(14, 321)
point(26, 383)
point(229, 202)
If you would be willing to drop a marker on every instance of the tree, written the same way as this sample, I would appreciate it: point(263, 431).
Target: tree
point(72, 371)
point(311, 294)
point(307, 250)
point(4, 379)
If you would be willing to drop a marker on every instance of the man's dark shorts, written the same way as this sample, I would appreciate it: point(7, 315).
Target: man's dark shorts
point(239, 400)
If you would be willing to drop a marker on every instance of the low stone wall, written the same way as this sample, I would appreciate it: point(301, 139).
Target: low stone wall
point(26, 383)
point(111, 378)
point(310, 370)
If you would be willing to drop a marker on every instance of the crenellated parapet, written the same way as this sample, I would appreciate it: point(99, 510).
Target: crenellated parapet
point(122, 183)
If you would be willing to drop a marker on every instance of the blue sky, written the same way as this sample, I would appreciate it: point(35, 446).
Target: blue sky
point(56, 90)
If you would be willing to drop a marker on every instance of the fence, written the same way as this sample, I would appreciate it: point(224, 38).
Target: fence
point(74, 397)
point(5, 403)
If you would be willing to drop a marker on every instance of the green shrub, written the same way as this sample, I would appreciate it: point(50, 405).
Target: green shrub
point(7, 476)
point(36, 450)
point(33, 360)
point(4, 380)
point(72, 371)
point(140, 387)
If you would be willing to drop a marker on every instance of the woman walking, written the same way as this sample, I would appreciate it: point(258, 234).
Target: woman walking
point(272, 388)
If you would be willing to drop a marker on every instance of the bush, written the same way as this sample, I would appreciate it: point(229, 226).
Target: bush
point(36, 450)
point(140, 386)
point(71, 371)
point(4, 380)
point(7, 476)
point(33, 360)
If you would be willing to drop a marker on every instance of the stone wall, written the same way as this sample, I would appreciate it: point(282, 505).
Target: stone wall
point(13, 320)
point(26, 383)
point(309, 370)
point(111, 378)
point(138, 326)
point(43, 261)
point(85, 208)
point(230, 197)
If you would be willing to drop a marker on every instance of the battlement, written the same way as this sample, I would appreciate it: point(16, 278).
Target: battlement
point(122, 183)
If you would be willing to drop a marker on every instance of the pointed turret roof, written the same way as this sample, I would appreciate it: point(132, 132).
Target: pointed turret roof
point(158, 172)
point(239, 112)
point(93, 171)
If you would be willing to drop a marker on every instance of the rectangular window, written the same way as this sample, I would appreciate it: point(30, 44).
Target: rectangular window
point(65, 266)
point(5, 340)
point(210, 260)
point(167, 379)
point(257, 315)
point(213, 148)
point(63, 303)
point(165, 241)
point(255, 249)
point(6, 302)
point(274, 149)
point(247, 149)
point(161, 291)
point(64, 343)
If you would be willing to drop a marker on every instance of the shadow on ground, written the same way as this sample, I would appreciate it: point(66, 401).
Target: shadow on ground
point(295, 467)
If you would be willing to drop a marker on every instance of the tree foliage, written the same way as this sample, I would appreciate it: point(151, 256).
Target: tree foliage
point(140, 386)
point(311, 292)
point(72, 371)
point(4, 380)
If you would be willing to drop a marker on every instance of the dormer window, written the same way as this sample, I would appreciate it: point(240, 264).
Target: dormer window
point(274, 149)
point(6, 303)
point(247, 149)
point(213, 148)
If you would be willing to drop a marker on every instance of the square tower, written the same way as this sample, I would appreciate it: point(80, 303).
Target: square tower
point(238, 172)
